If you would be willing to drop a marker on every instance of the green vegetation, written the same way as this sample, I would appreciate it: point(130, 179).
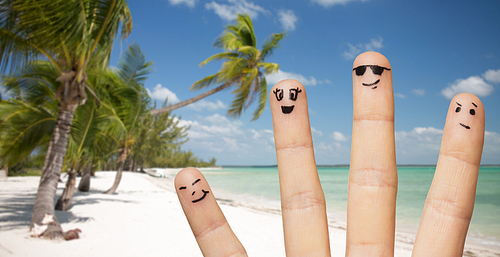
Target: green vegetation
point(69, 111)
point(244, 68)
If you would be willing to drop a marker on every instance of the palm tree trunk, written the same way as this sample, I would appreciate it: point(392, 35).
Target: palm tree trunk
point(121, 161)
point(67, 195)
point(44, 202)
point(194, 99)
point(84, 185)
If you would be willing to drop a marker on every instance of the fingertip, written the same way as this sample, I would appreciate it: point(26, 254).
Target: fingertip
point(372, 87)
point(184, 176)
point(463, 135)
point(371, 57)
point(290, 113)
point(192, 187)
point(287, 93)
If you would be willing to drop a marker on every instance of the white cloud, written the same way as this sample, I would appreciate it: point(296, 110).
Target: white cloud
point(206, 105)
point(402, 96)
point(492, 76)
point(355, 50)
point(330, 3)
point(419, 145)
point(161, 93)
point(418, 92)
point(228, 11)
point(229, 141)
point(474, 84)
point(316, 132)
point(287, 19)
point(281, 75)
point(337, 136)
point(189, 3)
point(491, 150)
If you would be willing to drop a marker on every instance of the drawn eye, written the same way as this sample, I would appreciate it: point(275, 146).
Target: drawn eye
point(472, 112)
point(279, 94)
point(294, 93)
point(377, 70)
point(458, 109)
point(360, 70)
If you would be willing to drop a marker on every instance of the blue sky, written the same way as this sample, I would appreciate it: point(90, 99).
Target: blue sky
point(436, 48)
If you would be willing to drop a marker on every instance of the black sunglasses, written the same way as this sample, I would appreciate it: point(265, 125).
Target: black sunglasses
point(377, 70)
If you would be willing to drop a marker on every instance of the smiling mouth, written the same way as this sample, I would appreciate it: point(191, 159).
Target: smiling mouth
point(372, 84)
point(465, 126)
point(287, 109)
point(202, 197)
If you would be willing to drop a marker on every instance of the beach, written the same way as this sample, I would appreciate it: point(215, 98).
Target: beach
point(144, 218)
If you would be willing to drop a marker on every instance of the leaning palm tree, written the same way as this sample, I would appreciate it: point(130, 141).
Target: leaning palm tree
point(125, 103)
point(67, 33)
point(244, 67)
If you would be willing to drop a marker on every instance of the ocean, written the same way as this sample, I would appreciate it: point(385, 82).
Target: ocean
point(258, 188)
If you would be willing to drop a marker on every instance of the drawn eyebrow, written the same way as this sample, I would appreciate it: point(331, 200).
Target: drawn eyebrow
point(474, 104)
point(180, 188)
point(458, 104)
point(198, 180)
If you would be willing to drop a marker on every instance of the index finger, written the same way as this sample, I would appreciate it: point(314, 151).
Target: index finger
point(302, 200)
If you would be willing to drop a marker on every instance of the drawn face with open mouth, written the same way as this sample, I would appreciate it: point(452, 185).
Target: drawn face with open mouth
point(196, 196)
point(376, 70)
point(472, 112)
point(293, 93)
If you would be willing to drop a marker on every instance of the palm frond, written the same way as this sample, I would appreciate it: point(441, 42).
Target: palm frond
point(248, 50)
point(262, 88)
point(69, 29)
point(36, 84)
point(205, 82)
point(238, 34)
point(271, 44)
point(133, 67)
point(269, 68)
point(24, 128)
point(244, 94)
point(231, 69)
point(216, 57)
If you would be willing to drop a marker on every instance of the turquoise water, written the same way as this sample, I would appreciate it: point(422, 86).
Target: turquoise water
point(262, 184)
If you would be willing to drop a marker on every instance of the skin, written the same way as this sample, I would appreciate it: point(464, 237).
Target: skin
point(372, 182)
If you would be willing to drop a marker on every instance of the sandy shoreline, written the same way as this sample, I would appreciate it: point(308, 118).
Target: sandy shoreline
point(144, 218)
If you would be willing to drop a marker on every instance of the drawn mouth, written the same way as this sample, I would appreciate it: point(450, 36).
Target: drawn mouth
point(287, 109)
point(372, 84)
point(202, 197)
point(465, 126)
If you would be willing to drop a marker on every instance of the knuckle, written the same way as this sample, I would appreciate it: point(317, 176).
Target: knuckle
point(303, 201)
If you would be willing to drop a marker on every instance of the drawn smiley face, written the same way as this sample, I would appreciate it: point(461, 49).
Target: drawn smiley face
point(376, 70)
point(293, 93)
point(196, 198)
point(472, 112)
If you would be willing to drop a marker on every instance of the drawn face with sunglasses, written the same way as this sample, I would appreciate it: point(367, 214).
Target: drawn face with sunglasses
point(376, 70)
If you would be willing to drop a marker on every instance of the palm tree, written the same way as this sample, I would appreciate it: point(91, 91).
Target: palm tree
point(86, 129)
point(244, 68)
point(126, 102)
point(27, 120)
point(159, 134)
point(67, 33)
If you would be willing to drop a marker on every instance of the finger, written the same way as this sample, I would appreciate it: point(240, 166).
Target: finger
point(209, 226)
point(450, 201)
point(302, 201)
point(371, 206)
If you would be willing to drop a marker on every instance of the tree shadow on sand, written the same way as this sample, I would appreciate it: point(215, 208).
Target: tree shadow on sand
point(16, 207)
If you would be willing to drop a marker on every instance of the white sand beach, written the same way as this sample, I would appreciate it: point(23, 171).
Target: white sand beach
point(143, 218)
